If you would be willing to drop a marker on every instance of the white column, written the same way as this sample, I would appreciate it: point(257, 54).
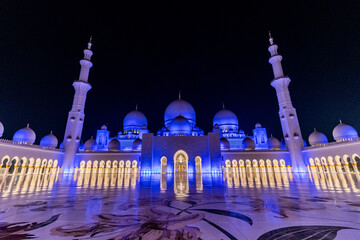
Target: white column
point(76, 116)
point(288, 117)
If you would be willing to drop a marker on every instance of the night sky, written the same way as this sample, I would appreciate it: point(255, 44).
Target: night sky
point(145, 53)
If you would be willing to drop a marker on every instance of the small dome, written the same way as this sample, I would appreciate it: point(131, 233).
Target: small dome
point(179, 126)
point(134, 119)
point(104, 127)
point(114, 145)
point(344, 132)
point(137, 144)
point(177, 108)
point(1, 129)
point(25, 135)
point(258, 125)
point(317, 138)
point(224, 144)
point(274, 143)
point(90, 145)
point(248, 144)
point(225, 117)
point(49, 141)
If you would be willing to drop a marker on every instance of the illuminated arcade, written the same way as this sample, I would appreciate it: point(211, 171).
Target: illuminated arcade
point(180, 145)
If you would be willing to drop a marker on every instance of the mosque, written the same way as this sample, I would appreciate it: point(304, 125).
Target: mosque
point(181, 146)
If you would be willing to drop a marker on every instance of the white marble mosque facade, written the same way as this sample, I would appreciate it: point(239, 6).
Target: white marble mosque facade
point(225, 148)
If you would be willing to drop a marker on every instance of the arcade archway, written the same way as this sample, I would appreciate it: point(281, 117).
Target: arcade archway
point(181, 161)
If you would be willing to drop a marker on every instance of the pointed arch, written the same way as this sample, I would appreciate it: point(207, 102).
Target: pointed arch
point(181, 162)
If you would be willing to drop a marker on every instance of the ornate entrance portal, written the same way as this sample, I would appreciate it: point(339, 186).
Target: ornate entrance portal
point(181, 161)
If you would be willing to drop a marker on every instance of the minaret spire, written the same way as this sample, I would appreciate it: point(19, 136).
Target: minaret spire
point(90, 43)
point(275, 58)
point(223, 105)
point(271, 40)
point(136, 107)
point(179, 94)
point(76, 116)
point(288, 117)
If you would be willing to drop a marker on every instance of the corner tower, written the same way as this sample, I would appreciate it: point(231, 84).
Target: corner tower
point(76, 116)
point(288, 117)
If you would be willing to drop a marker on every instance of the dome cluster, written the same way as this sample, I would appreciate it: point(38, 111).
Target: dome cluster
point(342, 132)
point(177, 108)
point(180, 120)
point(27, 136)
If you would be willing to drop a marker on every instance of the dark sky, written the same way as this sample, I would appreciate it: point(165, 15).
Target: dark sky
point(145, 53)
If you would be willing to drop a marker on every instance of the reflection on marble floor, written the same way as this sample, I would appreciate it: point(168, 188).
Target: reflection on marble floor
point(260, 205)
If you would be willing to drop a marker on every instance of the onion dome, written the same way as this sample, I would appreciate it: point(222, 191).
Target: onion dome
point(225, 117)
point(344, 132)
point(49, 141)
point(317, 138)
point(258, 125)
point(25, 135)
point(177, 108)
point(180, 126)
point(137, 144)
point(134, 119)
point(248, 144)
point(90, 145)
point(1, 129)
point(224, 144)
point(104, 127)
point(274, 143)
point(114, 145)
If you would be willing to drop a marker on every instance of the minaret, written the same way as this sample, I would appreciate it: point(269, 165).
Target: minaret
point(76, 116)
point(288, 117)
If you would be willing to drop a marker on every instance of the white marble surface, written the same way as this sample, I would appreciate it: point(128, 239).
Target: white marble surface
point(156, 206)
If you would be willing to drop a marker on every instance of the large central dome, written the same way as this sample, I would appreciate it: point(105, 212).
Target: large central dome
point(182, 108)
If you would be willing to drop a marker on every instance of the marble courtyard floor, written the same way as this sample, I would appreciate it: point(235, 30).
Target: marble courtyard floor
point(155, 206)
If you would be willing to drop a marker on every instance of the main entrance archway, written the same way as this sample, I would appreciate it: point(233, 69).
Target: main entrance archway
point(181, 161)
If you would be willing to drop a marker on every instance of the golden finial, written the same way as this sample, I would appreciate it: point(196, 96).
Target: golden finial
point(271, 40)
point(90, 43)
